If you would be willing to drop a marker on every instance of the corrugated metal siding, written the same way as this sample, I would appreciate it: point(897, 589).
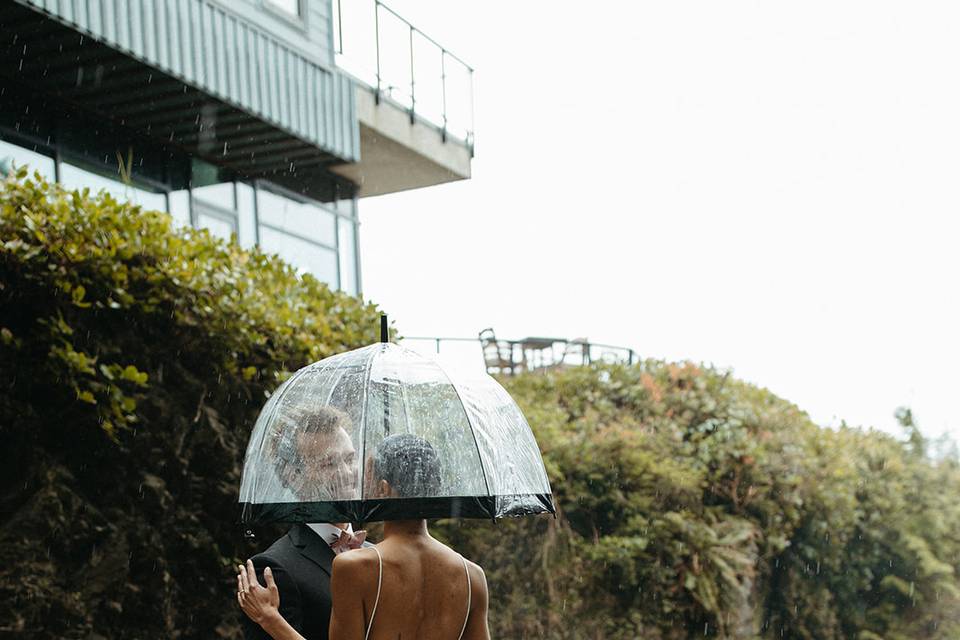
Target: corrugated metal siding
point(311, 34)
point(231, 59)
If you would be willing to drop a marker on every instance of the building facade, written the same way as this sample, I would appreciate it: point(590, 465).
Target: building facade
point(231, 115)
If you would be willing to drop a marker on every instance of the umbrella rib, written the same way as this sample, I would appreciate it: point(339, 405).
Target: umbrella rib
point(269, 420)
point(363, 425)
point(406, 407)
point(473, 432)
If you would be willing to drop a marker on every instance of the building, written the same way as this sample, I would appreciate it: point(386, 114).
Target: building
point(239, 116)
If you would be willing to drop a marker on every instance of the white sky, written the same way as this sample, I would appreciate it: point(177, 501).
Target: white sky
point(765, 186)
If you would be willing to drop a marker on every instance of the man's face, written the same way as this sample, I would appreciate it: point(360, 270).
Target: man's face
point(328, 467)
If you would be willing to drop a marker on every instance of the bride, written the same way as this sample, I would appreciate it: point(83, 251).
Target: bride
point(407, 586)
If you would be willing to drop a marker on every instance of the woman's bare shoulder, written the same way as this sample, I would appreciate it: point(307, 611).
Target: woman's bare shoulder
point(477, 577)
point(356, 564)
point(476, 572)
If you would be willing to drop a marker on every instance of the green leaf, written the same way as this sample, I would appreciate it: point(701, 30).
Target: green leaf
point(78, 293)
point(131, 373)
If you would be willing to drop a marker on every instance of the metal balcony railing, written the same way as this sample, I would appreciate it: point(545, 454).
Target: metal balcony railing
point(403, 64)
point(526, 354)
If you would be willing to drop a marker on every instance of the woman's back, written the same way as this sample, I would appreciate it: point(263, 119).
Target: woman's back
point(426, 592)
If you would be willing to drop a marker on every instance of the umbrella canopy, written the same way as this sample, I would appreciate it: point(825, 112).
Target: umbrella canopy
point(383, 433)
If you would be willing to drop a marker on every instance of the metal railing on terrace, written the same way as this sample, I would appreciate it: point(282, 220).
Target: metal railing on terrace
point(533, 353)
point(403, 64)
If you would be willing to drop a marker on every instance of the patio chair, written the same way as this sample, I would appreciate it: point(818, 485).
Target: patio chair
point(498, 354)
point(579, 349)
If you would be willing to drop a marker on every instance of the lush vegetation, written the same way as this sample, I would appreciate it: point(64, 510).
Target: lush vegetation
point(134, 358)
point(693, 504)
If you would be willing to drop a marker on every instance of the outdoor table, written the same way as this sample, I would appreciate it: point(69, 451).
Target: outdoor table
point(537, 346)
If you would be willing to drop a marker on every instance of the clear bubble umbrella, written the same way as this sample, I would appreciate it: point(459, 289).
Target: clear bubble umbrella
point(384, 433)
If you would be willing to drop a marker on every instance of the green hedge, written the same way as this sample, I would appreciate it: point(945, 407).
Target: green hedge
point(134, 359)
point(695, 505)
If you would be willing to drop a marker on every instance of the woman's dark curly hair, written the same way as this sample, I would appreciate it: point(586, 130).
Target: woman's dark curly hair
point(410, 464)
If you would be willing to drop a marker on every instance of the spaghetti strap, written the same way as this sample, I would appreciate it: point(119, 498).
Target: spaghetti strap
point(377, 601)
point(469, 598)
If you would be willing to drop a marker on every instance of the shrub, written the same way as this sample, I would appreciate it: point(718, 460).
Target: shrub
point(694, 505)
point(133, 361)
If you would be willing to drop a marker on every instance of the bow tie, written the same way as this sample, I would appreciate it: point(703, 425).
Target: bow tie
point(347, 541)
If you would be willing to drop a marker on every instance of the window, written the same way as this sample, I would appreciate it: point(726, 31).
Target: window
point(179, 204)
point(302, 233)
point(304, 219)
point(305, 255)
point(247, 214)
point(219, 222)
point(287, 6)
point(346, 207)
point(73, 177)
point(214, 209)
point(348, 255)
point(12, 155)
point(219, 195)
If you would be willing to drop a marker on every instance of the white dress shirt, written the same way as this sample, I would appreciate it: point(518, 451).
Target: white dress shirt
point(328, 533)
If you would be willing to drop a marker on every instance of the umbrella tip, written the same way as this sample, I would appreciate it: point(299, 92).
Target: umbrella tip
point(384, 331)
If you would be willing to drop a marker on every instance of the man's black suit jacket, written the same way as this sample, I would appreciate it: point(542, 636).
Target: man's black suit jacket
point(301, 563)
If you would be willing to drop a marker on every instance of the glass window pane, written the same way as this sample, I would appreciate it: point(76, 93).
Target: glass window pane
point(215, 224)
point(348, 256)
point(13, 155)
point(305, 256)
point(74, 177)
point(150, 200)
point(290, 6)
point(247, 218)
point(179, 203)
point(345, 206)
point(304, 219)
point(220, 195)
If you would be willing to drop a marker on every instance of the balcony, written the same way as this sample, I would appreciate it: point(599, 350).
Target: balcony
point(414, 101)
point(188, 74)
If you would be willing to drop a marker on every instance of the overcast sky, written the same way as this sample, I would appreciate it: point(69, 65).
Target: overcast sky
point(766, 186)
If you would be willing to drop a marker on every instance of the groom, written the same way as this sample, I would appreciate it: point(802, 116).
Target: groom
point(301, 560)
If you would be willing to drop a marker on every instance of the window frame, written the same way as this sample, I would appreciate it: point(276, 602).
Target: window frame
point(277, 190)
point(83, 164)
point(26, 141)
point(200, 207)
point(298, 20)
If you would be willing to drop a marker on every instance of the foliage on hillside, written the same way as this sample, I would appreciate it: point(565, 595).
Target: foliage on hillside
point(693, 504)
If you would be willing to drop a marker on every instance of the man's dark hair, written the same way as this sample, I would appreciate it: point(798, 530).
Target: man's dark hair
point(410, 464)
point(301, 419)
point(322, 420)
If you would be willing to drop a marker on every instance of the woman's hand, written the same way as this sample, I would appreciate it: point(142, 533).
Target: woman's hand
point(260, 603)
